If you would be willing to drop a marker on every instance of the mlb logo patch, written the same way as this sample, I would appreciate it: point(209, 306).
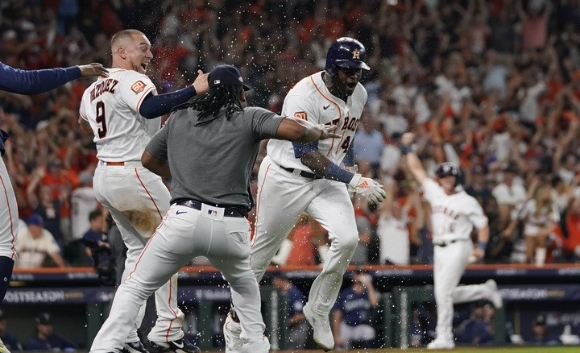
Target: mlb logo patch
point(138, 87)
point(212, 212)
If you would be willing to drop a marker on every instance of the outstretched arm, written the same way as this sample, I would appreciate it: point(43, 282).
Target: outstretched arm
point(38, 81)
point(414, 164)
point(160, 104)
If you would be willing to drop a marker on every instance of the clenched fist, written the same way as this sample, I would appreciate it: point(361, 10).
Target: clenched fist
point(368, 188)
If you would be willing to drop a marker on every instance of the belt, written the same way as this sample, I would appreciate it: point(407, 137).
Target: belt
point(228, 211)
point(302, 173)
point(121, 164)
point(449, 242)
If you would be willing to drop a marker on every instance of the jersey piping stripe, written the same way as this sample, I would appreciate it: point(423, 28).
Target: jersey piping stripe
point(258, 203)
point(9, 216)
point(83, 116)
point(141, 99)
point(148, 193)
point(333, 102)
point(161, 218)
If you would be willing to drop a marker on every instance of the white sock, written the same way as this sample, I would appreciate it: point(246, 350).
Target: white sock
point(322, 251)
point(540, 256)
point(282, 255)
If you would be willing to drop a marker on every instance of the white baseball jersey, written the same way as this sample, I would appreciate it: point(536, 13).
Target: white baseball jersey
point(534, 220)
point(310, 100)
point(452, 216)
point(109, 105)
point(83, 202)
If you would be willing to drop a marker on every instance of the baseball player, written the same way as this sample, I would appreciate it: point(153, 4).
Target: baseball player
point(307, 177)
point(210, 200)
point(453, 215)
point(25, 82)
point(123, 112)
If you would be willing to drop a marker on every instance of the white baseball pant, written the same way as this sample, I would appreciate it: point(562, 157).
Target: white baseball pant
point(186, 233)
point(137, 200)
point(282, 198)
point(449, 264)
point(8, 214)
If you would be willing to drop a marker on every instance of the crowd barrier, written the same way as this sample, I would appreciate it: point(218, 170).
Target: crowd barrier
point(79, 305)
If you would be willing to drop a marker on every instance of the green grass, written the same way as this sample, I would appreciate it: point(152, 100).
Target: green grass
point(544, 349)
point(511, 349)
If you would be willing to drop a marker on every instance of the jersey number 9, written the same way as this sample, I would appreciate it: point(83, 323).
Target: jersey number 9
point(101, 119)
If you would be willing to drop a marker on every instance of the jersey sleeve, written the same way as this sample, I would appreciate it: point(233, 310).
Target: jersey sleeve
point(157, 146)
point(35, 81)
point(83, 108)
point(264, 122)
point(135, 88)
point(298, 107)
point(431, 190)
point(476, 215)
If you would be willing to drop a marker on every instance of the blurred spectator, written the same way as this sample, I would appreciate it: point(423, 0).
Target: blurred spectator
point(83, 201)
point(299, 248)
point(496, 81)
point(297, 325)
point(476, 330)
point(7, 338)
point(34, 243)
point(541, 334)
point(45, 340)
point(368, 143)
point(353, 313)
point(93, 236)
point(364, 228)
point(540, 215)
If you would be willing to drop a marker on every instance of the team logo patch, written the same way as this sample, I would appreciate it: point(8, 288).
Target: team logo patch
point(356, 54)
point(138, 87)
point(300, 115)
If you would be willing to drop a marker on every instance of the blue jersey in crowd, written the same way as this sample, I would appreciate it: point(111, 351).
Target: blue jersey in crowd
point(295, 301)
point(355, 307)
point(53, 343)
point(11, 342)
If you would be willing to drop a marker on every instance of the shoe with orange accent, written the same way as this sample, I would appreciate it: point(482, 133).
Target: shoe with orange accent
point(178, 346)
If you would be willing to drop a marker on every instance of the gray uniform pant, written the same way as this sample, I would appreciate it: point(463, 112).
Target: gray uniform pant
point(184, 234)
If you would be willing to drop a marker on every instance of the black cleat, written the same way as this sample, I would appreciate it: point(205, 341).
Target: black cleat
point(134, 347)
point(178, 346)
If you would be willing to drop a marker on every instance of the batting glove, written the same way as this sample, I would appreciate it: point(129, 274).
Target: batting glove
point(368, 188)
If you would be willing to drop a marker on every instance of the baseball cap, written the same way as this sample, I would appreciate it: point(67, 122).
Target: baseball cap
point(540, 320)
point(35, 219)
point(226, 75)
point(44, 318)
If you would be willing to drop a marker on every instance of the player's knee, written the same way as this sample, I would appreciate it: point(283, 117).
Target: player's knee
point(347, 242)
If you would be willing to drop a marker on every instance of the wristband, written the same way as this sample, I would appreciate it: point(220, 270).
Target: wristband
point(334, 172)
point(407, 149)
point(482, 244)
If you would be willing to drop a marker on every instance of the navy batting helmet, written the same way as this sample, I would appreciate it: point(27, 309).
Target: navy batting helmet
point(447, 169)
point(347, 53)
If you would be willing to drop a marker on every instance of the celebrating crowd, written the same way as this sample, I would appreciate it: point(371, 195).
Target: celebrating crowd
point(493, 86)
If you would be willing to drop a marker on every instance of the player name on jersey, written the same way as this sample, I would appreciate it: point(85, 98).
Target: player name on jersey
point(107, 85)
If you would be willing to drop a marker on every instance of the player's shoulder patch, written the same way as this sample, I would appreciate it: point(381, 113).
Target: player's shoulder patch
point(138, 87)
point(301, 115)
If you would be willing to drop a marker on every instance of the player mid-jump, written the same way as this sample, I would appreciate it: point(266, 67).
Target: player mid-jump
point(453, 215)
point(307, 177)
